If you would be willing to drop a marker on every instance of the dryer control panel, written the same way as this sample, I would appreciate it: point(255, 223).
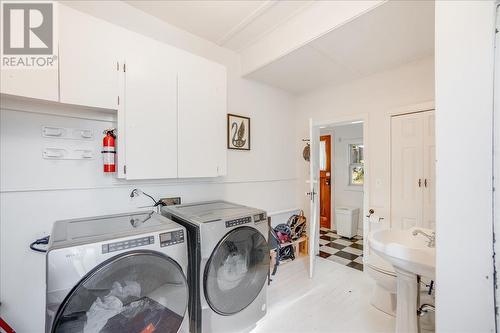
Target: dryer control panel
point(262, 217)
point(128, 244)
point(171, 238)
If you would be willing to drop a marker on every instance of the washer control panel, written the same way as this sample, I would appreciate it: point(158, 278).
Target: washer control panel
point(128, 244)
point(240, 221)
point(171, 238)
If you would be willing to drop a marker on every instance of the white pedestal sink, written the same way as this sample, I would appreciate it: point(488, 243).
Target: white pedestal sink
point(411, 257)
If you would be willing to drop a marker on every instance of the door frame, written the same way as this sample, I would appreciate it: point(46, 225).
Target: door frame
point(347, 120)
point(496, 156)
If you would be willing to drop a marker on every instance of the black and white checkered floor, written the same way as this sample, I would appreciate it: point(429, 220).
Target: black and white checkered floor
point(345, 251)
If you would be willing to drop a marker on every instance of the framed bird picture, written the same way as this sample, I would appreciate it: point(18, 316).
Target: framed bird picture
point(238, 132)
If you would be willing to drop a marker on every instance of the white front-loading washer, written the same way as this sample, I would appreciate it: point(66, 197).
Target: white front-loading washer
point(228, 264)
point(117, 273)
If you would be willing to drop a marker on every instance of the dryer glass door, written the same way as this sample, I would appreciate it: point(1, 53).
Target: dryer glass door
point(236, 271)
point(140, 291)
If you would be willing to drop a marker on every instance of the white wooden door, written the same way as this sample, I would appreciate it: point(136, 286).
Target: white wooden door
point(202, 123)
point(150, 110)
point(88, 56)
point(413, 170)
point(313, 196)
point(121, 152)
point(407, 171)
point(429, 171)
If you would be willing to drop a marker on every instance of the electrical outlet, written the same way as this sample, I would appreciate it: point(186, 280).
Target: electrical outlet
point(171, 201)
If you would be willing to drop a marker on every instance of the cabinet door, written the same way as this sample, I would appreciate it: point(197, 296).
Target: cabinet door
point(88, 53)
point(202, 112)
point(429, 172)
point(32, 82)
point(150, 110)
point(406, 171)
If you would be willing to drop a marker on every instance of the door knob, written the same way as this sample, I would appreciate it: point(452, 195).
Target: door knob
point(311, 195)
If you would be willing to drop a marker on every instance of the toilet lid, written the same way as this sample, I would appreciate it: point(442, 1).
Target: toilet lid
point(380, 264)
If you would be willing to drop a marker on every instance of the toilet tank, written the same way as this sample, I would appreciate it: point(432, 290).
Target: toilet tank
point(346, 219)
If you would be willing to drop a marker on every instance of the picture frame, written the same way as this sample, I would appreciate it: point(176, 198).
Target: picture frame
point(238, 132)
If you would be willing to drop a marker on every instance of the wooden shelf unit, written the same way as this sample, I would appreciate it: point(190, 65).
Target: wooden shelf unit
point(300, 248)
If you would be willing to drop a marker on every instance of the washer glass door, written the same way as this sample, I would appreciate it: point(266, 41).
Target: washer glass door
point(140, 291)
point(236, 270)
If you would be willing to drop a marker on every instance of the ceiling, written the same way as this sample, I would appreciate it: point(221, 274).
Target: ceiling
point(388, 36)
point(233, 24)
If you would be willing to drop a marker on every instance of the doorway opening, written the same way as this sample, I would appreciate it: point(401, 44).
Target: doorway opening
point(341, 165)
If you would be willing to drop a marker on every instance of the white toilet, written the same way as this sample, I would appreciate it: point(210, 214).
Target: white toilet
point(384, 293)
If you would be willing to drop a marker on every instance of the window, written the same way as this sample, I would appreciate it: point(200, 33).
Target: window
point(322, 155)
point(356, 164)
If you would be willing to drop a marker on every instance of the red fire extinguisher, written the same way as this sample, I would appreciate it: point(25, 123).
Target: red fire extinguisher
point(109, 150)
point(5, 327)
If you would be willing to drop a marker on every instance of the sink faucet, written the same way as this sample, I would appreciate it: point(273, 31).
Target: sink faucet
point(431, 237)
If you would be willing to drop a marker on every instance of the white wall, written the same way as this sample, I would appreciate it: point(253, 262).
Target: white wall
point(36, 192)
point(377, 95)
point(464, 110)
point(346, 195)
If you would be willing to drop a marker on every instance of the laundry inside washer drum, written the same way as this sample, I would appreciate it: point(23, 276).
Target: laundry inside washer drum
point(128, 294)
point(232, 271)
point(237, 271)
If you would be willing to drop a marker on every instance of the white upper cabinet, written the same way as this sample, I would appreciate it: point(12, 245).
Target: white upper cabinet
point(88, 56)
point(32, 83)
point(171, 105)
point(150, 110)
point(202, 112)
point(40, 83)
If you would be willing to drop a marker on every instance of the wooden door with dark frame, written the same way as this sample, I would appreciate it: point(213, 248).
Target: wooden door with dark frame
point(325, 182)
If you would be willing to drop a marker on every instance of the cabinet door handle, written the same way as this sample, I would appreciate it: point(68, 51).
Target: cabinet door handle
point(419, 182)
point(425, 182)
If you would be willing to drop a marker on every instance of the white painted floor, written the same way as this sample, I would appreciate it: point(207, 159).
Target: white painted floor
point(337, 299)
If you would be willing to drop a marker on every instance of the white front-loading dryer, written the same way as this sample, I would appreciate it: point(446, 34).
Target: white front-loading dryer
point(117, 273)
point(228, 264)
